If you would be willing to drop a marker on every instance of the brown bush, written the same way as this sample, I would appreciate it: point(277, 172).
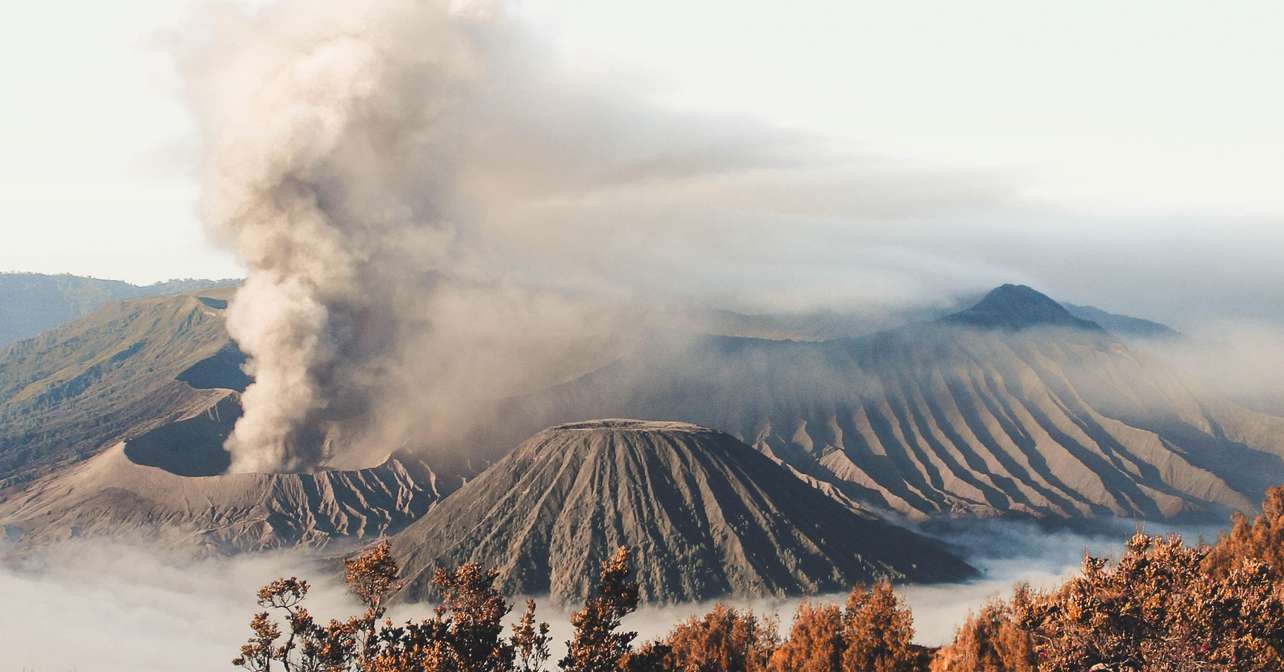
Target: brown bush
point(877, 631)
point(1158, 609)
point(530, 641)
point(723, 640)
point(872, 634)
point(815, 642)
point(1162, 606)
point(1261, 540)
point(989, 641)
point(463, 635)
point(598, 645)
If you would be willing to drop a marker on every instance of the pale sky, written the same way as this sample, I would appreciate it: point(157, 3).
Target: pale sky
point(1112, 119)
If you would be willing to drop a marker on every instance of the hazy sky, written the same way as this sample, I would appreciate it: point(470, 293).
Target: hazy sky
point(1125, 138)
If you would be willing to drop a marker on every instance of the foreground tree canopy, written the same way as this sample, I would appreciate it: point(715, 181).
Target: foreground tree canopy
point(1163, 606)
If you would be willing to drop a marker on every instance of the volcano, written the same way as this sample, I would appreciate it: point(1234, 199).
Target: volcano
point(706, 515)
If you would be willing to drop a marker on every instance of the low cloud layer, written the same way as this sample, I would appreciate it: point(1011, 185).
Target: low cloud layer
point(116, 606)
point(1235, 360)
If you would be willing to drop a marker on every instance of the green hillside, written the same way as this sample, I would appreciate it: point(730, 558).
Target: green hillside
point(32, 302)
point(124, 369)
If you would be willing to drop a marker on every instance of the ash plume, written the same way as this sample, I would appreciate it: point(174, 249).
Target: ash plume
point(323, 172)
point(434, 214)
point(354, 157)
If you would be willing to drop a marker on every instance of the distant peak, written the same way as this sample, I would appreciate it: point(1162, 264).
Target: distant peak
point(1018, 307)
point(1020, 299)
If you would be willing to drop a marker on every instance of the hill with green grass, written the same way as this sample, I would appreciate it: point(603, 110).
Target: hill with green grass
point(125, 369)
point(33, 302)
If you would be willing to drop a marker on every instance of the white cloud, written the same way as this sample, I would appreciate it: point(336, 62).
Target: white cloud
point(115, 606)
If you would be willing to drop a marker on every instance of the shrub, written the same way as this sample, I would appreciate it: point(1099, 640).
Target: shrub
point(877, 632)
point(1261, 540)
point(989, 641)
point(723, 640)
point(1158, 609)
point(463, 635)
point(598, 645)
point(873, 634)
point(815, 642)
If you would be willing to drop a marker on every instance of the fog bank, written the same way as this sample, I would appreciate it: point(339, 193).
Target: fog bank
point(116, 607)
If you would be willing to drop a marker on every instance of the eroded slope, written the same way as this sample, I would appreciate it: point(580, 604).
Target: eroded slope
point(706, 515)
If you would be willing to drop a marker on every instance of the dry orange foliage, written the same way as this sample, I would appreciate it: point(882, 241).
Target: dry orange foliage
point(989, 641)
point(877, 632)
point(873, 634)
point(723, 640)
point(1261, 540)
point(598, 645)
point(1156, 609)
point(1163, 606)
point(464, 633)
point(815, 642)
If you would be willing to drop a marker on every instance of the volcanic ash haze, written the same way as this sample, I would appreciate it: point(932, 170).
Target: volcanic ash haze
point(432, 215)
point(340, 142)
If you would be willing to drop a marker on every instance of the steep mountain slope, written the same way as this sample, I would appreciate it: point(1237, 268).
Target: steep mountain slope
point(129, 492)
point(126, 369)
point(1123, 325)
point(1012, 407)
point(706, 514)
point(32, 302)
point(824, 325)
point(114, 426)
point(812, 325)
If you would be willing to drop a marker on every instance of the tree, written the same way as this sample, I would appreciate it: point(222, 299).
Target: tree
point(1156, 609)
point(464, 633)
point(1262, 539)
point(372, 577)
point(815, 642)
point(989, 641)
point(309, 647)
point(723, 640)
point(471, 614)
point(873, 634)
point(877, 632)
point(530, 641)
point(597, 644)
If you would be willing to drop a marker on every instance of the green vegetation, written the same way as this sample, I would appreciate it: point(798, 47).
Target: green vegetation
point(32, 302)
point(72, 391)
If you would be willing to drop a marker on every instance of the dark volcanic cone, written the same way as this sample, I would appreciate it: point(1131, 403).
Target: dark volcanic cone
point(706, 515)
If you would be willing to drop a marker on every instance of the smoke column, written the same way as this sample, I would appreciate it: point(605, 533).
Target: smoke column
point(328, 132)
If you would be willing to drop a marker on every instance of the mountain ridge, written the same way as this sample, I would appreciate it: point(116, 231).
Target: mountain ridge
point(1016, 417)
point(74, 390)
point(134, 490)
point(31, 303)
point(1124, 325)
point(928, 420)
